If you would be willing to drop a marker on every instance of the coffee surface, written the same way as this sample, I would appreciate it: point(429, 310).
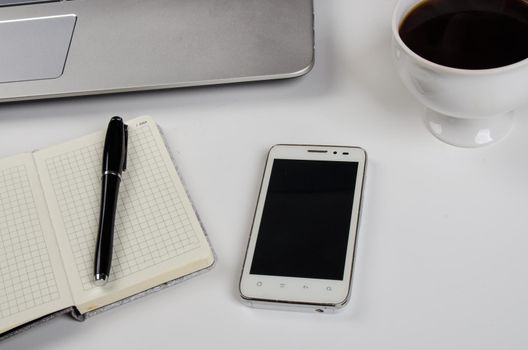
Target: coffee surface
point(468, 34)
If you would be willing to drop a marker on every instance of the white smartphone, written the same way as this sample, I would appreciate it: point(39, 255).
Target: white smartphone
point(301, 248)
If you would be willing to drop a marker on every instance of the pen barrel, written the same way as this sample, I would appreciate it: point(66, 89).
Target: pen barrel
point(105, 237)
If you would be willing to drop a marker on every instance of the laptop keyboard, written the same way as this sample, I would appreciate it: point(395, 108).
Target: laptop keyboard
point(22, 2)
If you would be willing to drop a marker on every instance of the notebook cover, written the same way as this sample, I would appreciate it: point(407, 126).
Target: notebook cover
point(82, 317)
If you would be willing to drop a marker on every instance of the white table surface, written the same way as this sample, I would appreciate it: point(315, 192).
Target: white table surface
point(441, 262)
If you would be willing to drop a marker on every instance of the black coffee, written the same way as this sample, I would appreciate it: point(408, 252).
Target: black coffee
point(468, 34)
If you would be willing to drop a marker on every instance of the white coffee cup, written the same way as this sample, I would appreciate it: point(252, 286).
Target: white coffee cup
point(467, 108)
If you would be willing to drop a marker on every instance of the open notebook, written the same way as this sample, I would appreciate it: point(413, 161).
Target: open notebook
point(49, 213)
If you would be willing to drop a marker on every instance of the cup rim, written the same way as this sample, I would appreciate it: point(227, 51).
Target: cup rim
point(396, 35)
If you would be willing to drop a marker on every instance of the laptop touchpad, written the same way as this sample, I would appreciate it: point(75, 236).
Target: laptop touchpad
point(34, 48)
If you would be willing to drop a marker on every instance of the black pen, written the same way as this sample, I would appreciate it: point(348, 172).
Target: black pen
point(114, 163)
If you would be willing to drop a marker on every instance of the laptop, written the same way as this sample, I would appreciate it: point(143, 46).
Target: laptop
point(82, 47)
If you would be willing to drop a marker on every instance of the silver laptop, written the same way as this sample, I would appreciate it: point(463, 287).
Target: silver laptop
point(81, 47)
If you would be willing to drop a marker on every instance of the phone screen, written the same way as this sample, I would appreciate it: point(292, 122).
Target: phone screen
point(305, 224)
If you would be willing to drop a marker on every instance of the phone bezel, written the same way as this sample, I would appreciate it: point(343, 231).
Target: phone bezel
point(297, 290)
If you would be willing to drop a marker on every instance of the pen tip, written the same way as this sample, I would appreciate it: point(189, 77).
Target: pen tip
point(100, 279)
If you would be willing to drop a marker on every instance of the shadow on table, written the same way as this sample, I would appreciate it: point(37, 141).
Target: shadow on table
point(54, 331)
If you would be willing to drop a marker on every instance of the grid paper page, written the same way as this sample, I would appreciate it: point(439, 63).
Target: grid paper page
point(29, 283)
point(151, 227)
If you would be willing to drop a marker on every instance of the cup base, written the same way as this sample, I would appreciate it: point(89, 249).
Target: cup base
point(462, 132)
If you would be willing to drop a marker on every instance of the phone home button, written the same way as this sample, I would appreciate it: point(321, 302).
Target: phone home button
point(259, 284)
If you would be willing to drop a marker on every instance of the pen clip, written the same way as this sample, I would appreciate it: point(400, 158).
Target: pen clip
point(126, 148)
